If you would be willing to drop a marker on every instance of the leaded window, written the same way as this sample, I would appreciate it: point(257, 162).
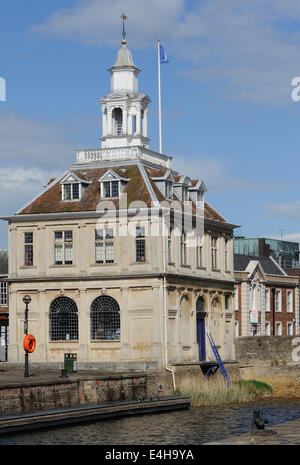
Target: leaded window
point(71, 191)
point(105, 319)
point(110, 189)
point(63, 318)
point(63, 247)
point(104, 245)
point(183, 249)
point(3, 293)
point(140, 244)
point(199, 251)
point(28, 249)
point(214, 252)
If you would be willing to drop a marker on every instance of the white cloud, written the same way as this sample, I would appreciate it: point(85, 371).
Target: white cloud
point(247, 47)
point(215, 175)
point(31, 153)
point(25, 141)
point(292, 237)
point(98, 22)
point(290, 210)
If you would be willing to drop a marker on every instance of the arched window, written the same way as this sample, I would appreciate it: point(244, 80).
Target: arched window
point(117, 121)
point(185, 320)
point(200, 304)
point(216, 320)
point(63, 320)
point(105, 319)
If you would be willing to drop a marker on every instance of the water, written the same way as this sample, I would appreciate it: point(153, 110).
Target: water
point(193, 426)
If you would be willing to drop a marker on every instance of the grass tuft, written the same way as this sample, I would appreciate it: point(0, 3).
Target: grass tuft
point(214, 391)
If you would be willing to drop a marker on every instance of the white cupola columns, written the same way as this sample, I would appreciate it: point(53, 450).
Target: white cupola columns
point(124, 110)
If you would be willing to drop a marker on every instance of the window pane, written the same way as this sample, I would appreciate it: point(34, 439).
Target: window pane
point(58, 254)
point(109, 252)
point(106, 189)
point(98, 234)
point(140, 231)
point(99, 252)
point(58, 235)
point(115, 188)
point(28, 238)
point(68, 254)
point(133, 124)
point(3, 295)
point(28, 255)
point(109, 233)
point(68, 236)
point(140, 250)
point(75, 191)
point(67, 191)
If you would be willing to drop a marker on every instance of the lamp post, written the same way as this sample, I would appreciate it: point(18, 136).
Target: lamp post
point(26, 300)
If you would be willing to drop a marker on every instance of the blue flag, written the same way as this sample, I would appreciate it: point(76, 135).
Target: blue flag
point(163, 55)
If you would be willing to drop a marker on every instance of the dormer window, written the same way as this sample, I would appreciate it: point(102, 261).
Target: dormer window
point(169, 189)
point(200, 196)
point(165, 184)
point(185, 194)
point(110, 189)
point(112, 185)
point(197, 192)
point(72, 187)
point(71, 191)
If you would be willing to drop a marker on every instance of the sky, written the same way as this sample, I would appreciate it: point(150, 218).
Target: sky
point(228, 112)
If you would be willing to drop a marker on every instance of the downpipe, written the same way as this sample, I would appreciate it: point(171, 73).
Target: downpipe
point(166, 313)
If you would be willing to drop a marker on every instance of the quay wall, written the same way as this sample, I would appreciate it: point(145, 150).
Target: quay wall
point(80, 388)
point(274, 360)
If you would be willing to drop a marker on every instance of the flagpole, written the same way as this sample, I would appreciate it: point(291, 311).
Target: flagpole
point(159, 98)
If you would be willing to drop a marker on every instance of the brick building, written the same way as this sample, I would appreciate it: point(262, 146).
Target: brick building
point(266, 299)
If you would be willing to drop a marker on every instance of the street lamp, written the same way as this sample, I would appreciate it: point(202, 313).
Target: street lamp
point(26, 300)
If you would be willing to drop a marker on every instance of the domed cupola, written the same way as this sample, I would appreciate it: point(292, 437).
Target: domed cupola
point(124, 110)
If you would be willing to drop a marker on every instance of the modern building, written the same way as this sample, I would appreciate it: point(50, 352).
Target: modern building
point(285, 253)
point(266, 299)
point(4, 317)
point(125, 262)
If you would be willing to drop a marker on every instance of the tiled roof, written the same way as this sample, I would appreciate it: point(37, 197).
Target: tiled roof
point(268, 265)
point(137, 189)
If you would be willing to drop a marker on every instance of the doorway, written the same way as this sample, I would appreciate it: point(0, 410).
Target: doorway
point(200, 323)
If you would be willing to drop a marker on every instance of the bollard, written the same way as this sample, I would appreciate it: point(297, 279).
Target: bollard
point(258, 423)
point(64, 374)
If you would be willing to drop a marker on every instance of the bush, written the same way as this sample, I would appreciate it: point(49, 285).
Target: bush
point(255, 386)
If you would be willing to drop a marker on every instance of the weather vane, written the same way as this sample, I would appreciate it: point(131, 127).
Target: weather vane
point(123, 17)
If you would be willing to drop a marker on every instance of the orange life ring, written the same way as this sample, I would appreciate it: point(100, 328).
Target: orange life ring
point(29, 343)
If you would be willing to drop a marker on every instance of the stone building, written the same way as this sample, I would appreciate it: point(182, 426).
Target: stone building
point(4, 331)
point(126, 263)
point(266, 301)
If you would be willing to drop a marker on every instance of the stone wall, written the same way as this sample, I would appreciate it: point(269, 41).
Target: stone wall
point(273, 360)
point(20, 398)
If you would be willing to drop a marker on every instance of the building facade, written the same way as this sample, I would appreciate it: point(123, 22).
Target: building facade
point(124, 260)
point(266, 301)
point(4, 314)
point(286, 253)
